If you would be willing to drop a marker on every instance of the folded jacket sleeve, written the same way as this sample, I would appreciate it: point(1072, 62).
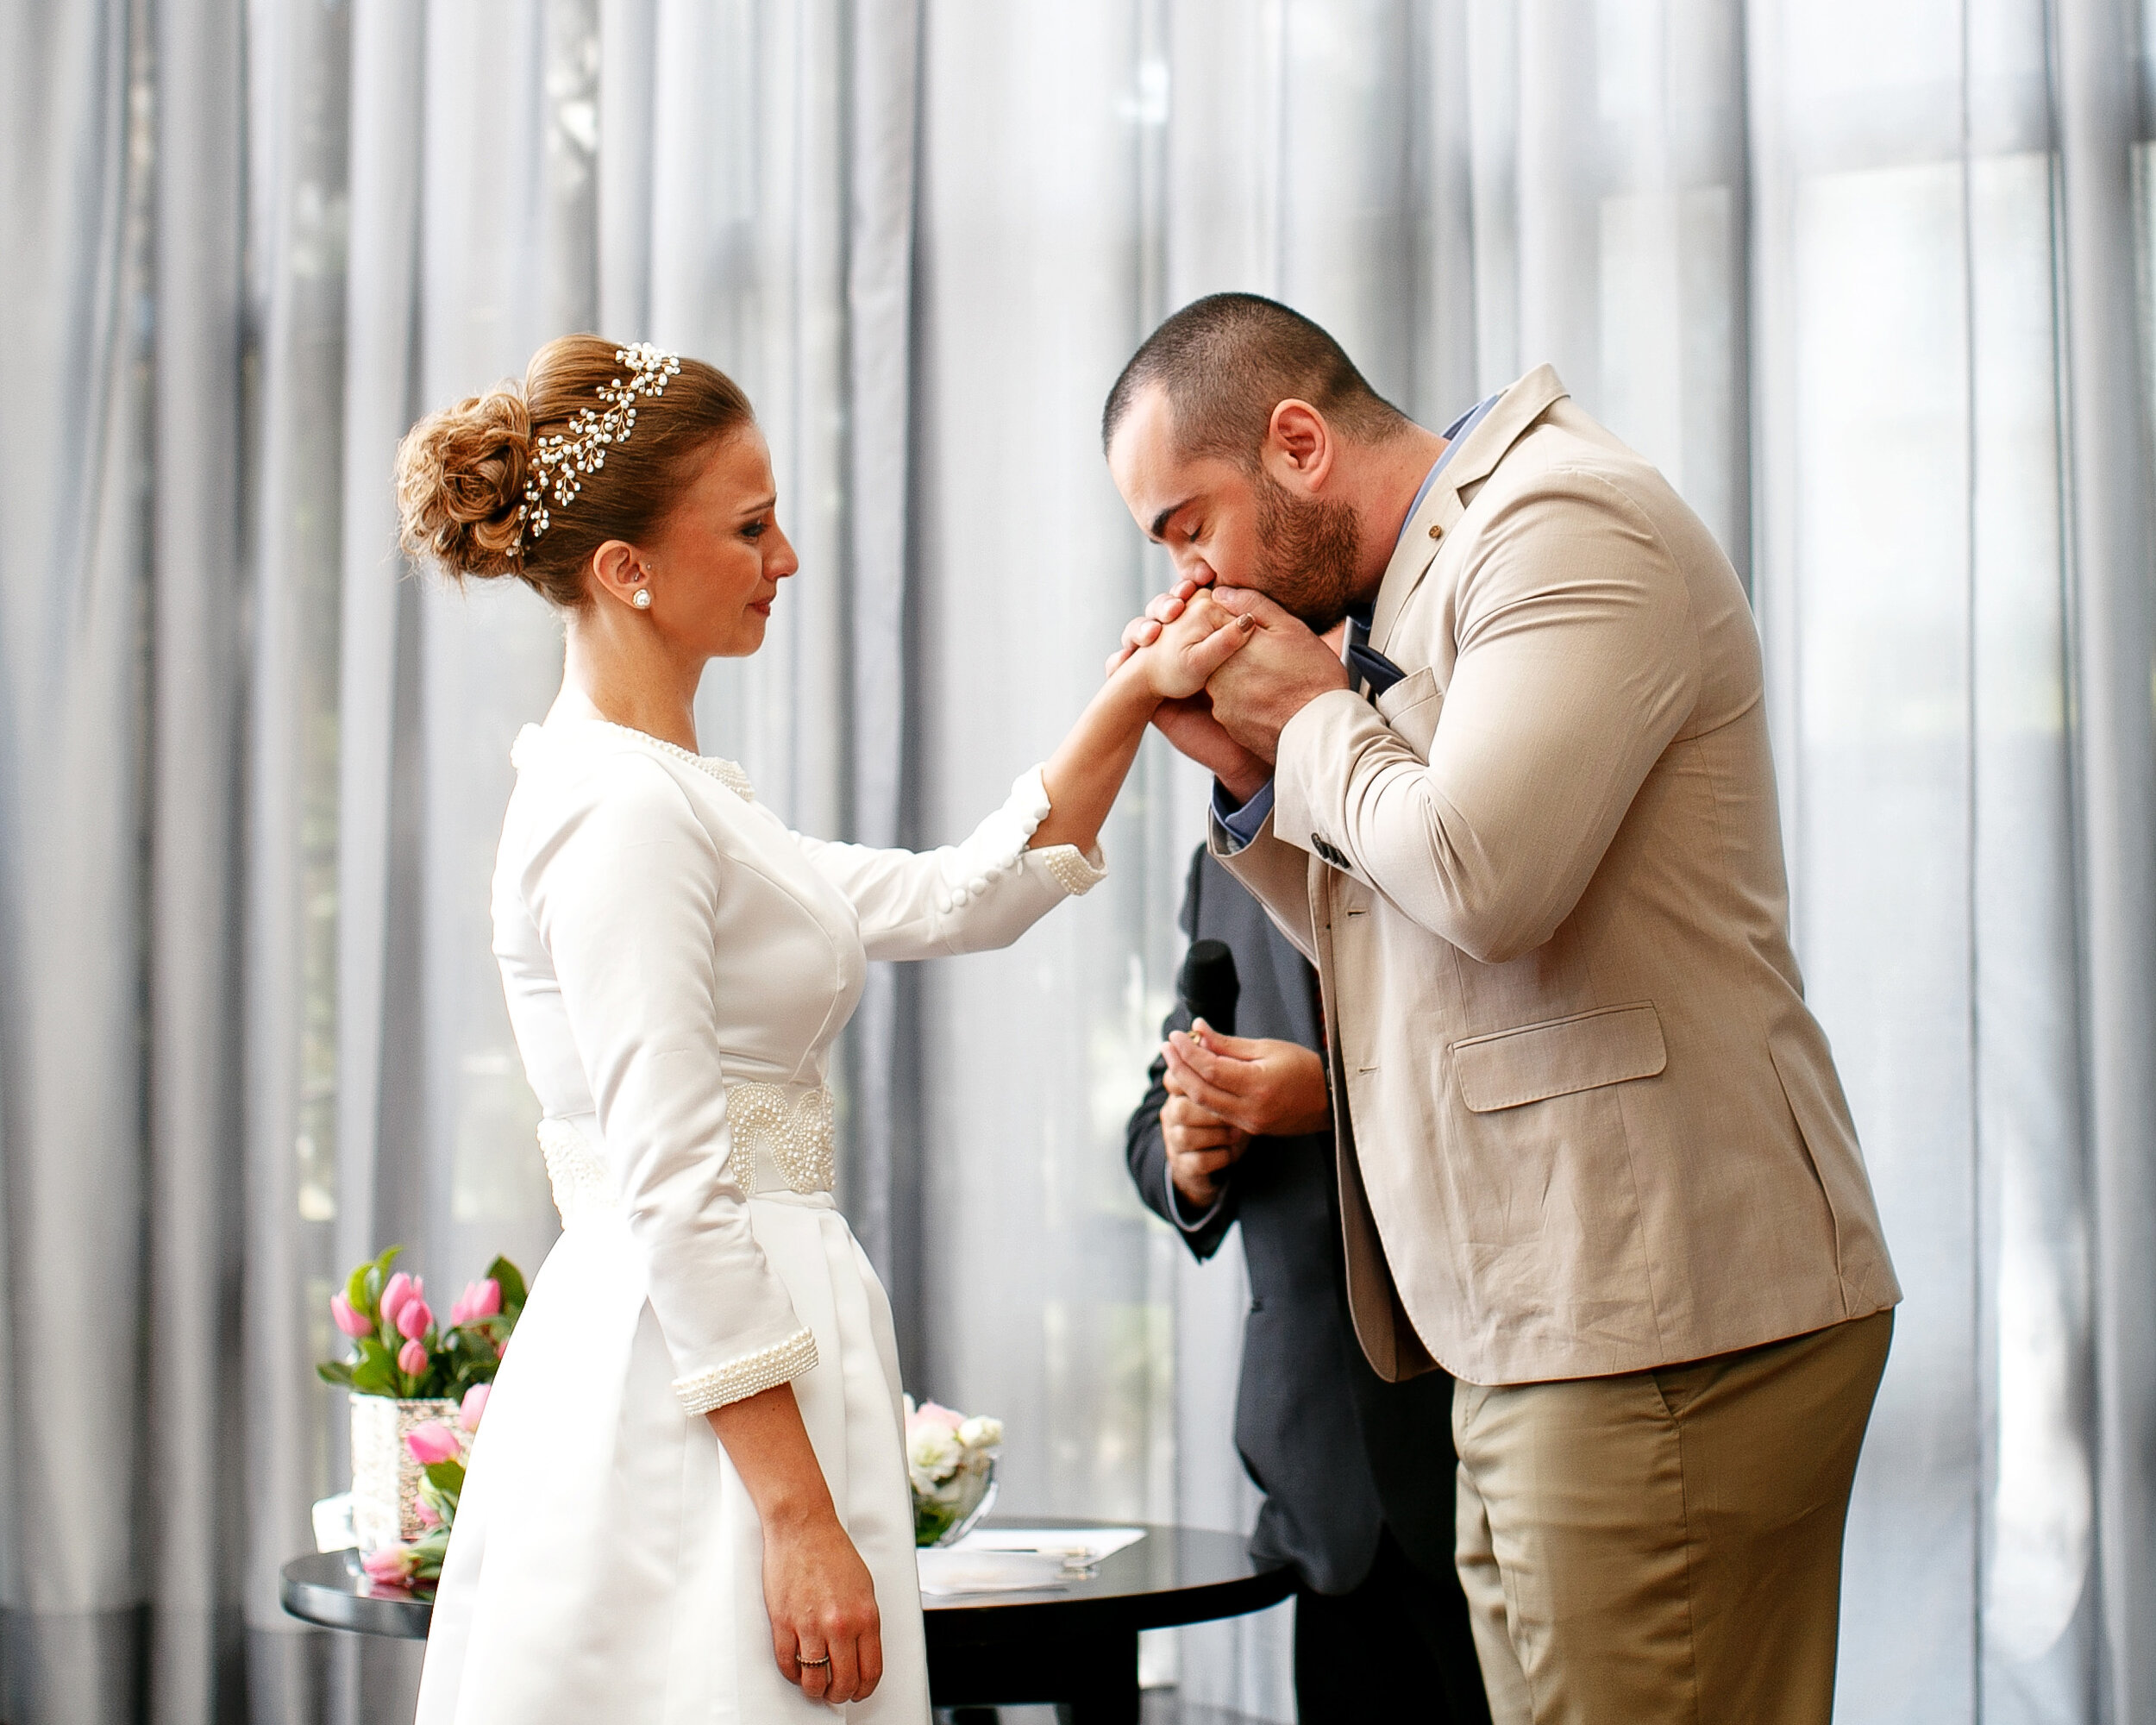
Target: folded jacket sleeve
point(624, 893)
point(970, 897)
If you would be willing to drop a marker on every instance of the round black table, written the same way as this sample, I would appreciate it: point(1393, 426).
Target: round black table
point(330, 1587)
point(1075, 1645)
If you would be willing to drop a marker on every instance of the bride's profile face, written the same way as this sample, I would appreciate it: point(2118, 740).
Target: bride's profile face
point(717, 561)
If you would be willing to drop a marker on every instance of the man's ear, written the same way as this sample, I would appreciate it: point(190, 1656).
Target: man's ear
point(1299, 448)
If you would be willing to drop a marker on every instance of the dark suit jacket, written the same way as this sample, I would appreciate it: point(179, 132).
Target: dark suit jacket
point(1337, 1450)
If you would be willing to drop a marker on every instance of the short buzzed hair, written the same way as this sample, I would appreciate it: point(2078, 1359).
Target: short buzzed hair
point(1227, 360)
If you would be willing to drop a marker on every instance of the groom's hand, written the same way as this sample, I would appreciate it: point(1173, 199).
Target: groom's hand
point(1280, 671)
point(1188, 722)
point(1191, 728)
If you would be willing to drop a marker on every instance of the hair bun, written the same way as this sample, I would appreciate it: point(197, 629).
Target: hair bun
point(460, 481)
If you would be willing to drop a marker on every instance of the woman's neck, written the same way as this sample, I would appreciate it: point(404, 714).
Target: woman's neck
point(627, 679)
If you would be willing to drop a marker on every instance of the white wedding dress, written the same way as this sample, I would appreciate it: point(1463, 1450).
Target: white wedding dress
point(678, 964)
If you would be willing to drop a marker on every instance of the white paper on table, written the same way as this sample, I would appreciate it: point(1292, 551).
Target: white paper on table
point(953, 1570)
point(1078, 1546)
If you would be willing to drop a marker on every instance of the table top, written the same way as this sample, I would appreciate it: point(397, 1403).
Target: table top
point(330, 1587)
point(1174, 1575)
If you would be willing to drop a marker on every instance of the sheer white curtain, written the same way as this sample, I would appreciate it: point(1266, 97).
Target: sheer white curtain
point(1871, 283)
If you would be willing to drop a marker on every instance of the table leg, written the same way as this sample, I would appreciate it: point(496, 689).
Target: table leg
point(1104, 1687)
point(1091, 1680)
point(1105, 1708)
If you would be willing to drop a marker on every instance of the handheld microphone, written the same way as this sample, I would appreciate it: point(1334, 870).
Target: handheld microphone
point(1208, 987)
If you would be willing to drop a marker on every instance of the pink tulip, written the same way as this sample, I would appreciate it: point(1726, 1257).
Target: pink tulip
point(431, 1443)
point(390, 1566)
point(393, 1296)
point(411, 1358)
point(479, 1299)
point(346, 1320)
point(474, 1405)
point(424, 1511)
point(414, 1319)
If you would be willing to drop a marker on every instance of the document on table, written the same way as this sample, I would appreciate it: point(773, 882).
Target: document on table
point(1019, 1559)
point(1085, 1546)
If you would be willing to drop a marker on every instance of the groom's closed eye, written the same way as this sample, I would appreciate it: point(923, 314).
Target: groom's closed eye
point(1158, 530)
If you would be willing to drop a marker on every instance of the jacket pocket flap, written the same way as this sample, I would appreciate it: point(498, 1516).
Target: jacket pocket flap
point(1509, 1068)
point(1411, 708)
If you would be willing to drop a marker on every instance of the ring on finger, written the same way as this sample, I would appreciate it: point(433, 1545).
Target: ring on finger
point(811, 1665)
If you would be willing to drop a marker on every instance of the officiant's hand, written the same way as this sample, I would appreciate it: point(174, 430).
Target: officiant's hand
point(1261, 1086)
point(1201, 1146)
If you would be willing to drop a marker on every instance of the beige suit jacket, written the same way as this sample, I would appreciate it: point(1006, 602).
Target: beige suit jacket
point(1590, 1125)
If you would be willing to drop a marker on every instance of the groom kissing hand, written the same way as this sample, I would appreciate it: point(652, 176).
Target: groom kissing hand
point(1591, 1152)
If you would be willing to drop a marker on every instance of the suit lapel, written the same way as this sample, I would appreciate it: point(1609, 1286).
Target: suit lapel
point(1526, 401)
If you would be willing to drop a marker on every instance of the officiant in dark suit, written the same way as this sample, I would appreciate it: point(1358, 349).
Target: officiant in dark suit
point(1344, 1459)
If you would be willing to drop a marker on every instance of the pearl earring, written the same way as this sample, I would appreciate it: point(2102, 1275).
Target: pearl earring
point(642, 600)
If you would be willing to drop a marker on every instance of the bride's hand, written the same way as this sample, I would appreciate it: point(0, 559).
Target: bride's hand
point(822, 1605)
point(816, 1588)
point(1187, 721)
point(1187, 650)
point(1144, 629)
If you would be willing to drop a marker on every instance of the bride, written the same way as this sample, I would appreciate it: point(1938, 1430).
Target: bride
point(689, 1500)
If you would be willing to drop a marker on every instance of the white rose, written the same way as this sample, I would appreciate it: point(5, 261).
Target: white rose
point(980, 1432)
point(931, 1453)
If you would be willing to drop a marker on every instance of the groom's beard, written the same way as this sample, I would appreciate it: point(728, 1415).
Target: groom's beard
point(1307, 550)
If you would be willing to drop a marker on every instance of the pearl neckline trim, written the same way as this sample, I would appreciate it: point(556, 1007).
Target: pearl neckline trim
point(728, 772)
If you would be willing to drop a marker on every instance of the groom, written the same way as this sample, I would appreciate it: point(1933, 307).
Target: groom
point(1593, 1155)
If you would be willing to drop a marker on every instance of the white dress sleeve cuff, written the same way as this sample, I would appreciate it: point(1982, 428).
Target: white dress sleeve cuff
point(1075, 871)
point(997, 848)
point(750, 1375)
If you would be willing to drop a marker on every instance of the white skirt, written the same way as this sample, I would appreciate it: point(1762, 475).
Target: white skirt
point(606, 1562)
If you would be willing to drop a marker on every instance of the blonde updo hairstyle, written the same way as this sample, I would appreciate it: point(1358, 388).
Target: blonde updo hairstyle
point(460, 473)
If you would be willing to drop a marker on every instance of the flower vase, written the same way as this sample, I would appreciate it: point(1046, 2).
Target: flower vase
point(385, 1475)
point(945, 1514)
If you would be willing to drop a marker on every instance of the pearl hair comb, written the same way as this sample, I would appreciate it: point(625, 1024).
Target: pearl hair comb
point(559, 462)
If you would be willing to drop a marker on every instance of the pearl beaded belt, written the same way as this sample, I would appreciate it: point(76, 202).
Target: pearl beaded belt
point(778, 1137)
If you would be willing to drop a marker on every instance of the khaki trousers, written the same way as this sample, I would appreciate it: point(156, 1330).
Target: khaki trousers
point(1666, 1545)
